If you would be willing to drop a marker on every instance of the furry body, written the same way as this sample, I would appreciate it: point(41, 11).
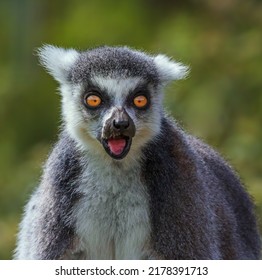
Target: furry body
point(171, 197)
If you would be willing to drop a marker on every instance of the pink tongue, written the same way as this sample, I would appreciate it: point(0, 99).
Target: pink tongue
point(117, 145)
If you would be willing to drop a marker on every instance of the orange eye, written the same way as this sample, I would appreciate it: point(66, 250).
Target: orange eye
point(140, 101)
point(93, 100)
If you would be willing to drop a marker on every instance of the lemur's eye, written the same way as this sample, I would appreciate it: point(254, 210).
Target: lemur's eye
point(93, 100)
point(140, 101)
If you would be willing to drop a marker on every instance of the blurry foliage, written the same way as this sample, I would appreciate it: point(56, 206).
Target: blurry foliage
point(221, 101)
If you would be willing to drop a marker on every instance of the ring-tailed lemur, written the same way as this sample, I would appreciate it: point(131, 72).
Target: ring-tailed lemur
point(124, 180)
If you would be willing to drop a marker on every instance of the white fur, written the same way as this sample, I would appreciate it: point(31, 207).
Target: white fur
point(26, 249)
point(112, 218)
point(57, 61)
point(118, 89)
point(170, 70)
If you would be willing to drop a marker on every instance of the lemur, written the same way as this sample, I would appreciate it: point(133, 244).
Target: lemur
point(124, 180)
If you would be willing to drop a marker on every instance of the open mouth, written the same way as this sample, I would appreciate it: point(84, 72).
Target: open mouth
point(117, 147)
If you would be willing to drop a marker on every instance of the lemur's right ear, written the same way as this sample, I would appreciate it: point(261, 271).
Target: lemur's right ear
point(57, 61)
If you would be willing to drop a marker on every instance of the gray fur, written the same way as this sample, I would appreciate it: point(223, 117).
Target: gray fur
point(113, 63)
point(170, 197)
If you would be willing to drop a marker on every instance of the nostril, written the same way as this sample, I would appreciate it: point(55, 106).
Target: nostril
point(121, 125)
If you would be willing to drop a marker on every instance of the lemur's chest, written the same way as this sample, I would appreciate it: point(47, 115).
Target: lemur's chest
point(112, 217)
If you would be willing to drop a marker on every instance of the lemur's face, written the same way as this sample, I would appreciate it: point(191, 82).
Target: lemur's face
point(121, 115)
point(111, 97)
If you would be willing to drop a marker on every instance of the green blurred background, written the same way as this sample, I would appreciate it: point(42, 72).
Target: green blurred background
point(220, 102)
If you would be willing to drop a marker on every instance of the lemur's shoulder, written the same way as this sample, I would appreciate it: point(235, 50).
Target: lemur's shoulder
point(47, 214)
point(64, 161)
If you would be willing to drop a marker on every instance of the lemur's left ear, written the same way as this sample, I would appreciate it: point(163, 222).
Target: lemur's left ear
point(170, 70)
point(57, 61)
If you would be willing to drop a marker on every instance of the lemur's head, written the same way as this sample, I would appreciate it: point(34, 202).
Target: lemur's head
point(111, 96)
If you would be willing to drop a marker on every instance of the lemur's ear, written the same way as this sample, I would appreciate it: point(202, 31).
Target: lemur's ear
point(57, 61)
point(170, 70)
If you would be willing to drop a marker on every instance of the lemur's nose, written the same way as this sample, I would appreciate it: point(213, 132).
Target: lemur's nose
point(121, 125)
